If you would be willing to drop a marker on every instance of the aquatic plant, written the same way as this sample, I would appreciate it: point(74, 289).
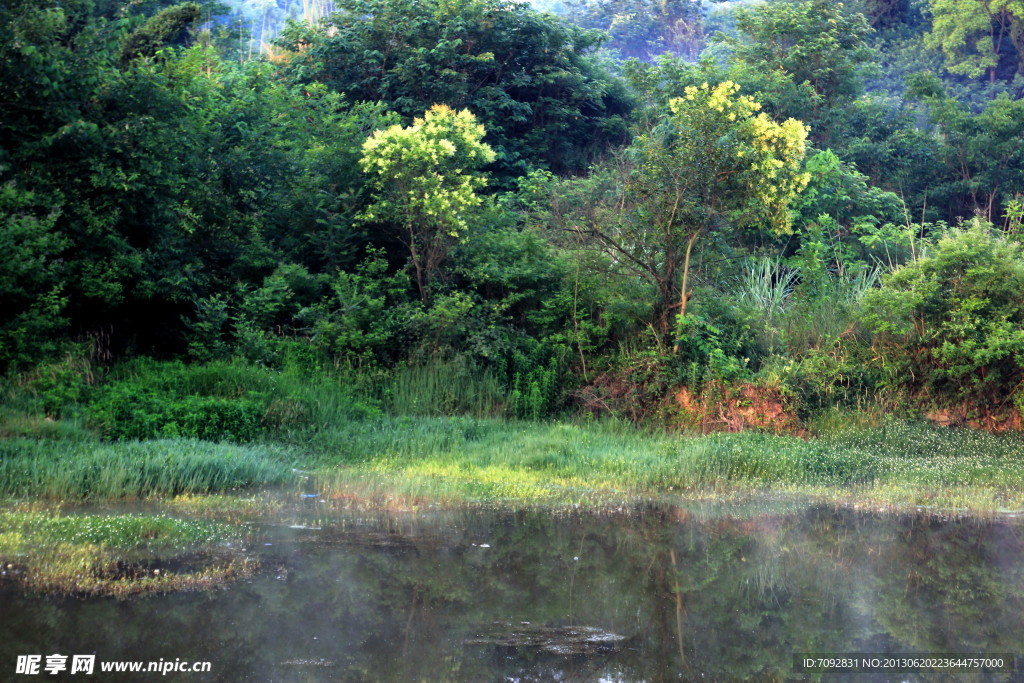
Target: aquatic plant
point(116, 554)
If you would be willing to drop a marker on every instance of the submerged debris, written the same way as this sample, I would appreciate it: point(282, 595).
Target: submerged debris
point(309, 662)
point(563, 641)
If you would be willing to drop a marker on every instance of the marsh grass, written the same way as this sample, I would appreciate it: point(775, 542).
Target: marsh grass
point(111, 554)
point(834, 421)
point(767, 285)
point(416, 461)
point(455, 387)
point(819, 320)
point(363, 455)
point(231, 508)
point(17, 424)
point(123, 532)
point(60, 470)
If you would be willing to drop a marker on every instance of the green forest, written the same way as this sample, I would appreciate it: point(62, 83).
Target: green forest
point(468, 250)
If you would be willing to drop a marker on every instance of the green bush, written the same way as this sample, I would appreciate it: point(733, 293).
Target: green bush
point(838, 375)
point(359, 318)
point(715, 342)
point(536, 381)
point(129, 411)
point(951, 324)
point(56, 385)
point(217, 401)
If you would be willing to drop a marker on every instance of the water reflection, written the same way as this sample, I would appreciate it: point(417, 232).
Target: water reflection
point(516, 596)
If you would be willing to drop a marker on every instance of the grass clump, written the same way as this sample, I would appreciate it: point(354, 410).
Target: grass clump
point(123, 532)
point(59, 470)
point(115, 555)
point(227, 506)
point(438, 388)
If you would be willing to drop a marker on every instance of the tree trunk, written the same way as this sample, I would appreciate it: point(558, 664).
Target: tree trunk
point(419, 267)
point(684, 295)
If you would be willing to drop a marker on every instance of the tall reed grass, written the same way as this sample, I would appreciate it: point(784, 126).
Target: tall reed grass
point(91, 471)
point(819, 320)
point(454, 387)
point(767, 285)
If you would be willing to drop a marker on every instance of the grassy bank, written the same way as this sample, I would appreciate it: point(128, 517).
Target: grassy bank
point(411, 463)
point(404, 462)
point(91, 470)
point(229, 442)
point(407, 462)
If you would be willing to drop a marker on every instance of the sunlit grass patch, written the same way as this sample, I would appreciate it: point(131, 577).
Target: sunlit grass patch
point(123, 532)
point(453, 461)
point(909, 497)
point(435, 484)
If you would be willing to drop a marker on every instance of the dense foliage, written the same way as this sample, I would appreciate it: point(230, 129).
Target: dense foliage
point(528, 77)
point(474, 206)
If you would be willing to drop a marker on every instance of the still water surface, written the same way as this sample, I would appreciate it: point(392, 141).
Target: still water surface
point(653, 594)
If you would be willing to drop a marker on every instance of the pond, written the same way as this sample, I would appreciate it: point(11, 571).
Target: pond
point(644, 593)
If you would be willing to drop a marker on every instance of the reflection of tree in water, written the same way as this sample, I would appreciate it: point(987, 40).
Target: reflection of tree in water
point(744, 594)
point(946, 587)
point(402, 597)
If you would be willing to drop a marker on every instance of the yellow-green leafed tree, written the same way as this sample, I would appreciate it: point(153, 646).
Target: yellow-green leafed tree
point(714, 163)
point(974, 33)
point(424, 178)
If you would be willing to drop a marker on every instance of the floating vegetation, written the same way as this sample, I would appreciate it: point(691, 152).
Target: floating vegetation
point(118, 555)
point(227, 507)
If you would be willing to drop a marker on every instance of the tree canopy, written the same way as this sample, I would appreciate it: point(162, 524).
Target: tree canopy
point(527, 76)
point(424, 182)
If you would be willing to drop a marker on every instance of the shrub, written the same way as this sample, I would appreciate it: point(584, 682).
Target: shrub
point(535, 380)
point(715, 342)
point(129, 411)
point(951, 324)
point(216, 401)
point(55, 385)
